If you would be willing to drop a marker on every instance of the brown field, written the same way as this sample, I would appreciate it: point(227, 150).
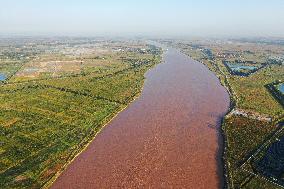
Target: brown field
point(55, 67)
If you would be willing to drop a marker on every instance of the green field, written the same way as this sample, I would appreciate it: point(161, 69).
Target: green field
point(45, 122)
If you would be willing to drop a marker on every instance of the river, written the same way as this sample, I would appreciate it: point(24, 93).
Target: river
point(167, 138)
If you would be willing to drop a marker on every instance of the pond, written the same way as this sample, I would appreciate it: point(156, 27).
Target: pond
point(2, 77)
point(239, 67)
point(281, 88)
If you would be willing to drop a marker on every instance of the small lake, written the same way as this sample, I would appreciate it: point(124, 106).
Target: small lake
point(281, 88)
point(2, 77)
point(238, 67)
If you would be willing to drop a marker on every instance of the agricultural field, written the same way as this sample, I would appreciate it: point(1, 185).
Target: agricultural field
point(252, 72)
point(41, 127)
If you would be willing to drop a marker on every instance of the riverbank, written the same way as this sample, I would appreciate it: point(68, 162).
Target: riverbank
point(233, 110)
point(253, 117)
point(89, 140)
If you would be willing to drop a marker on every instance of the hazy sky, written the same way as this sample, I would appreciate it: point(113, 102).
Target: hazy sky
point(143, 17)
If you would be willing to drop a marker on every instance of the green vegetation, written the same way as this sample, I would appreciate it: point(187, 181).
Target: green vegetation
point(244, 136)
point(46, 121)
point(252, 93)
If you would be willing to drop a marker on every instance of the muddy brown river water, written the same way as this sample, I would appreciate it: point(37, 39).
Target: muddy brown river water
point(168, 138)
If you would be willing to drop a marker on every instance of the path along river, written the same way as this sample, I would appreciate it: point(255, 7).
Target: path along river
point(168, 138)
